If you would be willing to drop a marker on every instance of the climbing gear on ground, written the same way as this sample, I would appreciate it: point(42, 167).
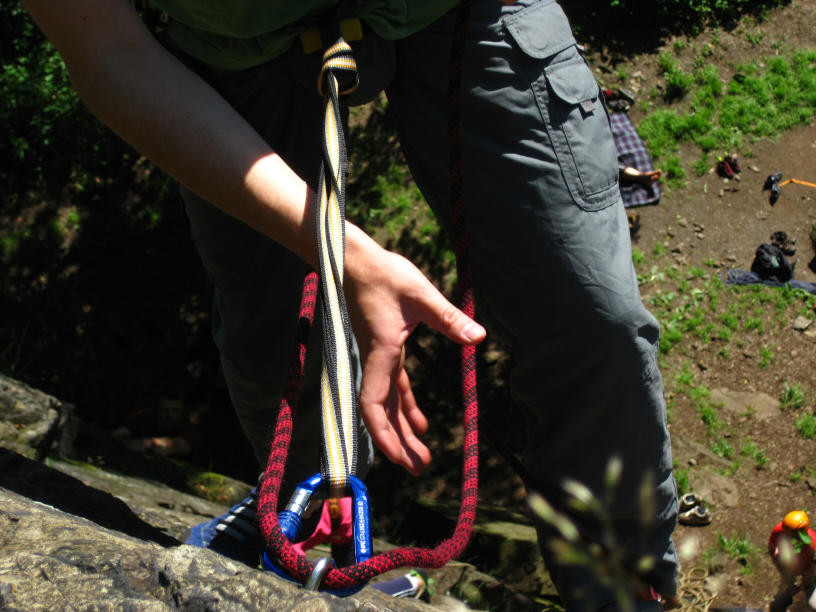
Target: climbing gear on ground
point(694, 592)
point(619, 100)
point(234, 534)
point(413, 584)
point(770, 262)
point(774, 183)
point(699, 515)
point(796, 520)
point(338, 460)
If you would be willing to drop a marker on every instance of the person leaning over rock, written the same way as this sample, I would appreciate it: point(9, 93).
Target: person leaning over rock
point(224, 100)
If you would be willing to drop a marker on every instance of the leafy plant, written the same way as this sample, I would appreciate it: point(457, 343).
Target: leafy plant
point(738, 548)
point(765, 357)
point(48, 137)
point(750, 449)
point(684, 378)
point(682, 478)
point(722, 448)
point(792, 397)
point(806, 426)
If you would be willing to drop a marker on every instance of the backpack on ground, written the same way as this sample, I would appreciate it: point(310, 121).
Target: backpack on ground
point(770, 263)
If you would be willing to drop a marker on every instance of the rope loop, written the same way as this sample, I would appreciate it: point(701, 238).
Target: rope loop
point(339, 63)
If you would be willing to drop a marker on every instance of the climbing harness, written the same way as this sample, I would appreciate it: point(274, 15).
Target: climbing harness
point(338, 76)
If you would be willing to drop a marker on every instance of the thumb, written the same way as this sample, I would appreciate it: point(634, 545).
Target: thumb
point(454, 324)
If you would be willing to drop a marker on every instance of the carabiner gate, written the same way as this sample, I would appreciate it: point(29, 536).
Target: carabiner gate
point(290, 522)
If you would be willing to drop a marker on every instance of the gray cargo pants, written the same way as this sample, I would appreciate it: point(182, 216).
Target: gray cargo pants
point(549, 250)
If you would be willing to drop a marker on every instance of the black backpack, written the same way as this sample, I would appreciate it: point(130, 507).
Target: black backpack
point(770, 263)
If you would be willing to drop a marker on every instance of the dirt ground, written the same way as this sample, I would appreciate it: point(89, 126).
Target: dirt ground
point(726, 220)
point(735, 218)
point(734, 225)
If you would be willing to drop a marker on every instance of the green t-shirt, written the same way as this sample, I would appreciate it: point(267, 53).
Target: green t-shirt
point(237, 34)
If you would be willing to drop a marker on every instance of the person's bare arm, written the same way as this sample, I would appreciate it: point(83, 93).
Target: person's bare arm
point(174, 118)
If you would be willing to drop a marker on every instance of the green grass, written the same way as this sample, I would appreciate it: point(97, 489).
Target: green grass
point(722, 448)
point(766, 356)
point(806, 426)
point(684, 378)
point(792, 397)
point(754, 323)
point(764, 98)
point(751, 450)
point(677, 81)
point(675, 173)
point(682, 478)
point(739, 549)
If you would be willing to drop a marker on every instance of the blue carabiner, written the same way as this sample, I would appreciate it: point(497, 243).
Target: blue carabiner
point(290, 521)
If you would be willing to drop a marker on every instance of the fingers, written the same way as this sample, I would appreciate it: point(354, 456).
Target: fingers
point(390, 412)
point(416, 418)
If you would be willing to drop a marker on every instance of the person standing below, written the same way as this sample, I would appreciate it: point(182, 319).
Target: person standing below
point(791, 547)
point(225, 102)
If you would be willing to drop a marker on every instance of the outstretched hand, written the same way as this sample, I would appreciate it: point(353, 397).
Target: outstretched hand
point(387, 298)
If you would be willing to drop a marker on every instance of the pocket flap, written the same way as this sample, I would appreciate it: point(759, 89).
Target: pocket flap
point(572, 82)
point(540, 30)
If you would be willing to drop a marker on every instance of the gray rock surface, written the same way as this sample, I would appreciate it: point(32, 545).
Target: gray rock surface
point(29, 419)
point(171, 511)
point(760, 405)
point(93, 535)
point(55, 561)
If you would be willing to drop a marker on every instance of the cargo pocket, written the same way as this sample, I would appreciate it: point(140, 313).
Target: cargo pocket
point(569, 99)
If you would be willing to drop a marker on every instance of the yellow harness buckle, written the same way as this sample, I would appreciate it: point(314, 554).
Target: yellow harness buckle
point(351, 29)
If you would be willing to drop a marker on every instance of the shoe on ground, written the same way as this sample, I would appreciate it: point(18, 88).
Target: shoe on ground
point(772, 180)
point(234, 534)
point(776, 191)
point(733, 162)
point(725, 170)
point(688, 501)
point(696, 516)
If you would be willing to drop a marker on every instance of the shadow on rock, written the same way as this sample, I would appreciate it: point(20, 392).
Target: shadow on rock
point(36, 481)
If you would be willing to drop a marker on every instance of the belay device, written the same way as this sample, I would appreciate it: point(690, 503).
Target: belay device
point(338, 76)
